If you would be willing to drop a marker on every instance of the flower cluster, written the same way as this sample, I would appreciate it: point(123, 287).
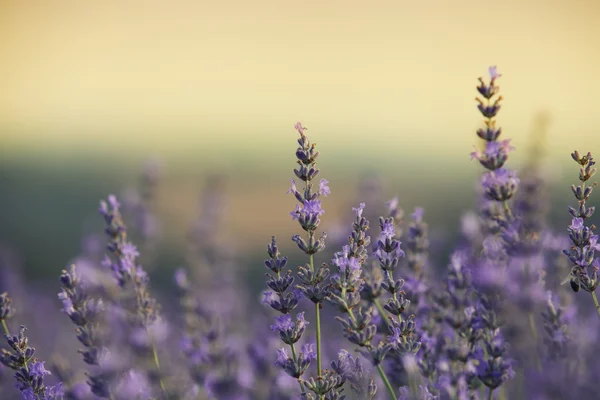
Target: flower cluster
point(284, 301)
point(308, 213)
point(498, 183)
point(136, 310)
point(387, 316)
point(584, 273)
point(85, 314)
point(30, 371)
point(212, 365)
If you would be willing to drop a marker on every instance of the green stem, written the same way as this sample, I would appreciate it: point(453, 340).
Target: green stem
point(507, 210)
point(157, 363)
point(596, 303)
point(535, 338)
point(295, 358)
point(490, 395)
point(382, 373)
point(318, 321)
point(386, 382)
point(6, 331)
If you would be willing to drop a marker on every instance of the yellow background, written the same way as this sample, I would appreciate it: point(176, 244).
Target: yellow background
point(183, 78)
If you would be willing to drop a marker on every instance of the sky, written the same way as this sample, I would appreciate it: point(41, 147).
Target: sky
point(192, 79)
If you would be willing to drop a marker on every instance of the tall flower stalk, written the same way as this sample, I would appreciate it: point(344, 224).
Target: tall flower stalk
point(403, 339)
point(346, 290)
point(499, 183)
point(284, 301)
point(308, 213)
point(141, 312)
point(584, 270)
point(85, 313)
point(29, 370)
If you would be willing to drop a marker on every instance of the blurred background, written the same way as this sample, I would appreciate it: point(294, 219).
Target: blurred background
point(210, 91)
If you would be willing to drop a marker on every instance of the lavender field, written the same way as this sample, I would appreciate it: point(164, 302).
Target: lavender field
point(317, 200)
point(504, 306)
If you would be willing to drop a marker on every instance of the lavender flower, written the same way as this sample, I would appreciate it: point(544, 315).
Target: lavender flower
point(139, 309)
point(84, 312)
point(499, 183)
point(138, 203)
point(30, 371)
point(557, 338)
point(403, 339)
point(308, 215)
point(212, 363)
point(417, 244)
point(285, 301)
point(6, 310)
point(581, 254)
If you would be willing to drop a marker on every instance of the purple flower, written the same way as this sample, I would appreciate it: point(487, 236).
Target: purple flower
point(282, 357)
point(495, 154)
point(392, 204)
point(500, 185)
point(576, 224)
point(418, 214)
point(269, 297)
point(313, 208)
point(181, 278)
point(293, 189)
point(353, 264)
point(37, 369)
point(359, 210)
point(67, 303)
point(112, 200)
point(299, 128)
point(594, 243)
point(134, 385)
point(155, 333)
point(324, 188)
point(296, 213)
point(493, 71)
point(388, 231)
point(308, 353)
point(289, 332)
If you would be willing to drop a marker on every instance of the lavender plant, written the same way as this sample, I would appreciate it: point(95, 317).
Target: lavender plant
point(403, 339)
point(458, 335)
point(137, 309)
point(29, 370)
point(85, 313)
point(346, 287)
point(584, 272)
point(307, 213)
point(213, 366)
point(284, 301)
point(499, 183)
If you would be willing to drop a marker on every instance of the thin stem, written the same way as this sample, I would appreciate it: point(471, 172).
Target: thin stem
point(382, 373)
point(596, 303)
point(318, 321)
point(157, 363)
point(5, 327)
point(295, 358)
point(490, 394)
point(386, 382)
point(507, 210)
point(535, 338)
